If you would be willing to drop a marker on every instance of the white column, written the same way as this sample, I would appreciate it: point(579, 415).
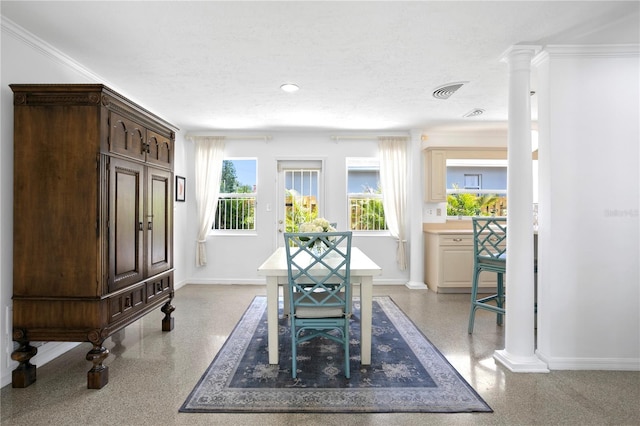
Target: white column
point(414, 207)
point(519, 353)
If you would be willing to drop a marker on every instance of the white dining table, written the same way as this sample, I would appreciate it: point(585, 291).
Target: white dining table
point(363, 269)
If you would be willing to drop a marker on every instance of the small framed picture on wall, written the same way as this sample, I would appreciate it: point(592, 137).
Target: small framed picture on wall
point(181, 188)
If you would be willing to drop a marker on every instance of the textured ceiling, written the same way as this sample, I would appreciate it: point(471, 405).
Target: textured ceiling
point(208, 65)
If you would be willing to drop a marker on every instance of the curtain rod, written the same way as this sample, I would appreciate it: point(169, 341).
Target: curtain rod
point(364, 137)
point(234, 137)
point(269, 137)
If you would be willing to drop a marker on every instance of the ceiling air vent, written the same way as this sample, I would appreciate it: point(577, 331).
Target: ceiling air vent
point(474, 113)
point(444, 92)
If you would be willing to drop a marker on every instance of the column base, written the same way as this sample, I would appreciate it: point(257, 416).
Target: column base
point(519, 364)
point(415, 285)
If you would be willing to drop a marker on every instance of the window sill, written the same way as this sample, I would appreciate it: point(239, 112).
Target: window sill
point(233, 233)
point(371, 233)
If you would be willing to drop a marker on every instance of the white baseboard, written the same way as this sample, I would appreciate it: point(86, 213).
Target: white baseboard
point(6, 379)
point(261, 281)
point(228, 281)
point(179, 285)
point(609, 364)
point(47, 352)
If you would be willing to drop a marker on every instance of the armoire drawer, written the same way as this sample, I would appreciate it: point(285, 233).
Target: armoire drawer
point(127, 303)
point(158, 286)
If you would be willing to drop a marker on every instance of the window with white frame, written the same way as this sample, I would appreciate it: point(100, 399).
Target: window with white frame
point(366, 212)
point(238, 193)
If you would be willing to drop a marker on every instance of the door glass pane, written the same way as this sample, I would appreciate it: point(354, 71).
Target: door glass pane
point(301, 197)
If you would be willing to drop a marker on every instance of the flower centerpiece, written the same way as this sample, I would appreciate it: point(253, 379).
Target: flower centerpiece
point(319, 224)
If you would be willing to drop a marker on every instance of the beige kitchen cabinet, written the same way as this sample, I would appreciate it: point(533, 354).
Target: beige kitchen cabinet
point(449, 262)
point(435, 175)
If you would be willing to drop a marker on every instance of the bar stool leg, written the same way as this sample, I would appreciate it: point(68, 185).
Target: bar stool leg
point(474, 298)
point(500, 296)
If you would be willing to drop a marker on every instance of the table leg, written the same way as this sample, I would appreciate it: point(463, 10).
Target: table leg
point(285, 299)
point(272, 318)
point(366, 312)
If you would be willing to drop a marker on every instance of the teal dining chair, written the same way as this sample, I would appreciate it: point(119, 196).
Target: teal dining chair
point(319, 286)
point(489, 254)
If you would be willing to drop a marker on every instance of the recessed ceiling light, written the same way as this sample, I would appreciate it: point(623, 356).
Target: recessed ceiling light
point(290, 87)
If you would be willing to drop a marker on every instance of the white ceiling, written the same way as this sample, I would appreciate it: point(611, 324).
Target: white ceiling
point(209, 65)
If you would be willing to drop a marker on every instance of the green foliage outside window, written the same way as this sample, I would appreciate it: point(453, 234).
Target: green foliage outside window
point(235, 213)
point(229, 183)
point(298, 210)
point(468, 204)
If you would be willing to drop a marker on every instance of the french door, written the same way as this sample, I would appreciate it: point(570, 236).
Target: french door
point(300, 193)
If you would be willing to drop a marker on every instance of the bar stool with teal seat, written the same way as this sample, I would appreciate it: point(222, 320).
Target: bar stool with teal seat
point(490, 255)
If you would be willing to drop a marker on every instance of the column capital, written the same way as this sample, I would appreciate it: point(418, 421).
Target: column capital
point(520, 49)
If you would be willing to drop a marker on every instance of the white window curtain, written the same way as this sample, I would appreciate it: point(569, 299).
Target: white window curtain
point(209, 157)
point(393, 180)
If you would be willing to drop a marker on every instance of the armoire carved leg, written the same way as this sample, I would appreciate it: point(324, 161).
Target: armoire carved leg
point(98, 376)
point(167, 321)
point(25, 373)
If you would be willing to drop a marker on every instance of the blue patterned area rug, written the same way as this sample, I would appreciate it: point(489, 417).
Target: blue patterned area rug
point(407, 373)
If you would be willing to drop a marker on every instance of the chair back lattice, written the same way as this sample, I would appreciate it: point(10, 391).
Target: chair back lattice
point(319, 270)
point(489, 254)
point(490, 239)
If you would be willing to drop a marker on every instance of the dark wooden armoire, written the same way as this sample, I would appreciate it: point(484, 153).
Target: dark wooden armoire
point(93, 224)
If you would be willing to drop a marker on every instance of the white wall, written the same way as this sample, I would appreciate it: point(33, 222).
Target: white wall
point(235, 259)
point(181, 212)
point(29, 60)
point(589, 298)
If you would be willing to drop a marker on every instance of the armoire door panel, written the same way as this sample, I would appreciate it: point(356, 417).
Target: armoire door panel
point(159, 221)
point(126, 224)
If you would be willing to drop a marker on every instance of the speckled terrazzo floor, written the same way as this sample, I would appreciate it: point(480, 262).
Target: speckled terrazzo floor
point(151, 373)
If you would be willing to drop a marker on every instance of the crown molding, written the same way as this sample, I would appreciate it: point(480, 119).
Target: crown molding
point(14, 30)
point(596, 50)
